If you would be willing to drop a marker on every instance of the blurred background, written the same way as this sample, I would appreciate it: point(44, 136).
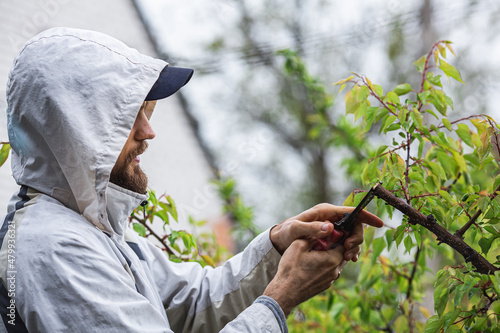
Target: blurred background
point(240, 115)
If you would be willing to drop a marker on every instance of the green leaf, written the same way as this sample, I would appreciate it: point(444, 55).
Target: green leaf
point(378, 247)
point(469, 281)
point(349, 201)
point(420, 63)
point(392, 97)
point(450, 70)
point(417, 118)
point(437, 169)
point(4, 153)
point(416, 176)
point(399, 233)
point(446, 196)
point(402, 115)
point(447, 124)
point(435, 80)
point(495, 279)
point(163, 216)
point(441, 298)
point(173, 237)
point(140, 229)
point(421, 145)
point(388, 121)
point(463, 133)
point(378, 90)
point(460, 161)
point(356, 100)
point(393, 127)
point(433, 325)
point(371, 112)
point(448, 163)
point(450, 318)
point(408, 242)
point(389, 237)
point(437, 98)
point(380, 150)
point(402, 89)
point(485, 244)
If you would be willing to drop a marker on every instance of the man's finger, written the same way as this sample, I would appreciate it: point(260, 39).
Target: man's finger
point(315, 229)
point(303, 245)
point(368, 218)
point(336, 255)
point(351, 254)
point(355, 238)
point(334, 213)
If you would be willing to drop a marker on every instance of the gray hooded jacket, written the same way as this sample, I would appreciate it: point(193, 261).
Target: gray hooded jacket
point(68, 262)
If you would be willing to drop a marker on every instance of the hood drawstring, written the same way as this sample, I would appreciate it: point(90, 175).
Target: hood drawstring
point(144, 204)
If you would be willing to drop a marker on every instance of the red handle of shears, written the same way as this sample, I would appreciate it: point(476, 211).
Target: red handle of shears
point(331, 241)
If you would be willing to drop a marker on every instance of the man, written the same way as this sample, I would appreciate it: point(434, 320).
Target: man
point(79, 105)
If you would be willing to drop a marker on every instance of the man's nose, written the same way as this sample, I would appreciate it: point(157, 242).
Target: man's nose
point(144, 131)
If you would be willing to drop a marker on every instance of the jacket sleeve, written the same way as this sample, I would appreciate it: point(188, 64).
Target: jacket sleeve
point(224, 298)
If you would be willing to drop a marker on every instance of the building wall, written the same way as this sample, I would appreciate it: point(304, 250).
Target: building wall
point(174, 162)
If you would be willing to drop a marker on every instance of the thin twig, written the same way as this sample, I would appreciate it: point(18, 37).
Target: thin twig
point(424, 72)
point(372, 93)
point(155, 235)
point(407, 171)
point(461, 231)
point(413, 272)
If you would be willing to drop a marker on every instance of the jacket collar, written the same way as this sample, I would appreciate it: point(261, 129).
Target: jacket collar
point(120, 203)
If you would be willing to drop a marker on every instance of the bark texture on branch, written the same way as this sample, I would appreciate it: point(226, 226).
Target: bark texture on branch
point(482, 265)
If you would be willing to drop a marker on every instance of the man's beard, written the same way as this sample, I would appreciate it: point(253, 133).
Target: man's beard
point(133, 179)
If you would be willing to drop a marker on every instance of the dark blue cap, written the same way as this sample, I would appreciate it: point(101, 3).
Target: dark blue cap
point(171, 79)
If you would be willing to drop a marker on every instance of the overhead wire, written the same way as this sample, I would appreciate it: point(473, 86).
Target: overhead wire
point(326, 42)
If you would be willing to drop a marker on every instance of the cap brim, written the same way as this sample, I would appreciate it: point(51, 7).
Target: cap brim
point(171, 79)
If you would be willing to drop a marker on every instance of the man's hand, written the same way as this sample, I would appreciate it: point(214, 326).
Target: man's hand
point(315, 223)
point(303, 273)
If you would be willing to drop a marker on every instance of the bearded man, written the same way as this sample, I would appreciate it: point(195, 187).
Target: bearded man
point(79, 109)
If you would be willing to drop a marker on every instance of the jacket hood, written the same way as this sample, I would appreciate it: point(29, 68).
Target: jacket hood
point(73, 96)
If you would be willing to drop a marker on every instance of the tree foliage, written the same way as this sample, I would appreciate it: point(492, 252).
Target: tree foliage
point(443, 174)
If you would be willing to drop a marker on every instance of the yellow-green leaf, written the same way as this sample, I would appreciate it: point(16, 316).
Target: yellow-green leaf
point(417, 118)
point(349, 201)
point(420, 63)
point(4, 153)
point(446, 196)
point(460, 161)
point(208, 260)
point(402, 89)
point(378, 90)
point(344, 80)
point(447, 124)
point(450, 70)
point(463, 132)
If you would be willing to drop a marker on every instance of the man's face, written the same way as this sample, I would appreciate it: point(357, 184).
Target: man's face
point(126, 172)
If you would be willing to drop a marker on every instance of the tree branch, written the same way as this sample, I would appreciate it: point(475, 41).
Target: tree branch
point(372, 93)
point(154, 234)
point(461, 231)
point(424, 72)
point(407, 169)
point(414, 270)
point(482, 265)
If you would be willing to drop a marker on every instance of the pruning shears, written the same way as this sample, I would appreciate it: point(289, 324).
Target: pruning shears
point(344, 227)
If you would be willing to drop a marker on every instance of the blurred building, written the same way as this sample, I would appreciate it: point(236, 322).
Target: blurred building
point(176, 162)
